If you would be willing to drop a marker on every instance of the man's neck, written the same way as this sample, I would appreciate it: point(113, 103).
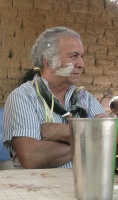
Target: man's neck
point(56, 84)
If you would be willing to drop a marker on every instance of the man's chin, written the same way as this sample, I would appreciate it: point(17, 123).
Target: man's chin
point(75, 81)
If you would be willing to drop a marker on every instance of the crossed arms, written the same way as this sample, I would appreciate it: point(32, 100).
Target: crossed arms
point(52, 151)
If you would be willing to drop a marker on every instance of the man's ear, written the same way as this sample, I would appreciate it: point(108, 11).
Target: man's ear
point(46, 65)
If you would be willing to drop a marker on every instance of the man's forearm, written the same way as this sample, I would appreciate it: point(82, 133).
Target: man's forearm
point(55, 132)
point(41, 154)
point(55, 154)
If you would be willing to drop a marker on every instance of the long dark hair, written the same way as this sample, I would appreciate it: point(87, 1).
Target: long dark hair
point(30, 74)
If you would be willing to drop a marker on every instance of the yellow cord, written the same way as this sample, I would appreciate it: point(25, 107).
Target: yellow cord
point(79, 88)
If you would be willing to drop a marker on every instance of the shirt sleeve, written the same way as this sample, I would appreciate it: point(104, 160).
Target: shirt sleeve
point(20, 118)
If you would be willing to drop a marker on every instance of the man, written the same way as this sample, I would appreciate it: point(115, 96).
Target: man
point(114, 111)
point(114, 105)
point(35, 122)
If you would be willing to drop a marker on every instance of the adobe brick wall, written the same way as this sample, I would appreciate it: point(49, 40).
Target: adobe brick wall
point(21, 21)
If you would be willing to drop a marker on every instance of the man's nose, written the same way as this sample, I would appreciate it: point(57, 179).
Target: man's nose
point(80, 62)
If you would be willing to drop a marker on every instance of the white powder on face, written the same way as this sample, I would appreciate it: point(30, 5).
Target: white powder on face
point(65, 71)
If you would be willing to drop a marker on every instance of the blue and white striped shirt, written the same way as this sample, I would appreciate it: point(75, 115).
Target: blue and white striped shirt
point(24, 113)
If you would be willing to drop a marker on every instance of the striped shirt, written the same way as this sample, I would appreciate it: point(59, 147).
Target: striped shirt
point(24, 113)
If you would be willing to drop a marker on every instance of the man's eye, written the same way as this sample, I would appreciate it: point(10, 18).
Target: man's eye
point(74, 55)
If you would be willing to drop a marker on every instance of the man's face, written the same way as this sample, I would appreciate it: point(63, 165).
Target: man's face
point(115, 110)
point(71, 53)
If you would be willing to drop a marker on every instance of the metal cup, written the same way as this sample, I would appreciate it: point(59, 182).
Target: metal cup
point(93, 144)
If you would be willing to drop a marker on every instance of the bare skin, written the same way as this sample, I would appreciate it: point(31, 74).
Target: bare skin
point(55, 132)
point(54, 149)
point(34, 154)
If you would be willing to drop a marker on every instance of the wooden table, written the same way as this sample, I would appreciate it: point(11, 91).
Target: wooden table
point(40, 184)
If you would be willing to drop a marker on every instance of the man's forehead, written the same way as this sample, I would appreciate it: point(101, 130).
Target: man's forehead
point(70, 38)
point(70, 41)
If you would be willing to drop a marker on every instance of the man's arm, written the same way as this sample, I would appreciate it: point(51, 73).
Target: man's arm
point(102, 115)
point(57, 132)
point(36, 154)
point(24, 128)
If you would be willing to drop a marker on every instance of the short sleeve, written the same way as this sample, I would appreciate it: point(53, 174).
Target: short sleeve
point(20, 118)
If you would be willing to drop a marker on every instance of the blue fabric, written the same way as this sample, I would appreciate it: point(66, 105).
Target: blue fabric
point(4, 152)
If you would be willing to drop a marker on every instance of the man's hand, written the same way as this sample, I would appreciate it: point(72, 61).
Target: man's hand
point(102, 115)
